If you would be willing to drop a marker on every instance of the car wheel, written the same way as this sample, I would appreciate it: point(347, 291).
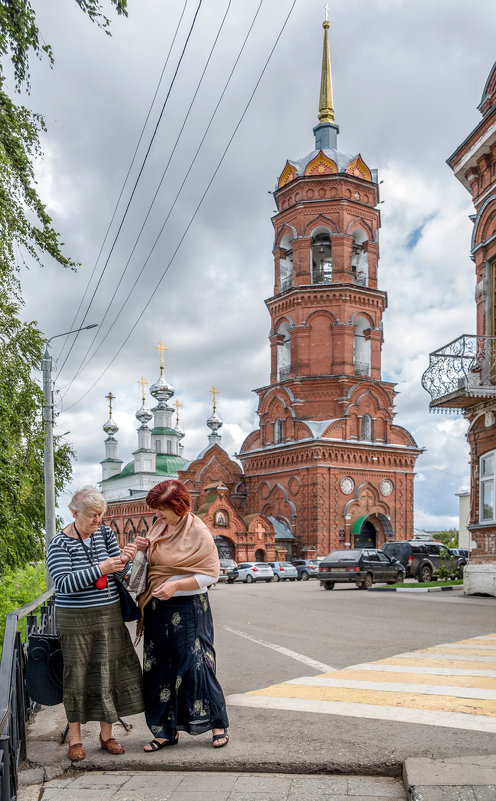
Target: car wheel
point(230, 581)
point(304, 575)
point(292, 579)
point(400, 577)
point(267, 581)
point(361, 586)
point(368, 581)
point(328, 585)
point(276, 577)
point(249, 579)
point(425, 574)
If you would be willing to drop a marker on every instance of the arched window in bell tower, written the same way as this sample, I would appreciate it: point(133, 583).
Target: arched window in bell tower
point(359, 258)
point(366, 429)
point(286, 263)
point(283, 351)
point(361, 347)
point(321, 257)
point(277, 431)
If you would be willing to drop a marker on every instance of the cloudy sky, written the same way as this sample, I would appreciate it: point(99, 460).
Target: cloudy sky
point(193, 268)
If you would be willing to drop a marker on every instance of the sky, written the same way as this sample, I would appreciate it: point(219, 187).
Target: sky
point(407, 78)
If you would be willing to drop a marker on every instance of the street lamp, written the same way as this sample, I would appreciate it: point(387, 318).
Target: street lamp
point(48, 466)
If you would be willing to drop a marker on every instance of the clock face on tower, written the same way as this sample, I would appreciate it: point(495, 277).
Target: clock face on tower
point(347, 485)
point(386, 486)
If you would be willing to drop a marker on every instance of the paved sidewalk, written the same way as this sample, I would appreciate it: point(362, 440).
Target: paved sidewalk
point(176, 786)
point(459, 779)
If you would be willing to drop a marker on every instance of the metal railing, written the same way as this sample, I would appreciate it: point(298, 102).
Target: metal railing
point(465, 367)
point(15, 705)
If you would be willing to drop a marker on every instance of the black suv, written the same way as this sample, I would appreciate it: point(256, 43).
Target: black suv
point(422, 559)
point(360, 566)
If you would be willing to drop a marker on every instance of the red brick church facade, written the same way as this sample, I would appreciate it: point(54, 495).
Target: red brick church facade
point(327, 467)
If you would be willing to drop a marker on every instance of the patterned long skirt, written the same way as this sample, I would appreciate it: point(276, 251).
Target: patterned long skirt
point(180, 688)
point(102, 674)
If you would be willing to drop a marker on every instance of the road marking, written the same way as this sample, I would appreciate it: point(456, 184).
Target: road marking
point(440, 686)
point(451, 720)
point(465, 646)
point(320, 666)
point(396, 686)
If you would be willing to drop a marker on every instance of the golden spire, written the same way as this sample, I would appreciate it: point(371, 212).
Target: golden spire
point(110, 398)
point(177, 405)
point(161, 347)
point(214, 392)
point(143, 384)
point(326, 109)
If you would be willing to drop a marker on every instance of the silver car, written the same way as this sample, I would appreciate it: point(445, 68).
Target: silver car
point(283, 571)
point(254, 571)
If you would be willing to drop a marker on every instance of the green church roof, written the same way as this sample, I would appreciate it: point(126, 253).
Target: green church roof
point(167, 465)
point(169, 431)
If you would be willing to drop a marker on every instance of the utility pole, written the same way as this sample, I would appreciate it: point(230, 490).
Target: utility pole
point(48, 465)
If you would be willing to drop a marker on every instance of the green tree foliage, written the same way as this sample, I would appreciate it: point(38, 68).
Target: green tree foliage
point(19, 587)
point(448, 536)
point(24, 223)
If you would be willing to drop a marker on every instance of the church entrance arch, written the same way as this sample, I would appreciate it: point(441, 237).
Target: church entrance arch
point(363, 533)
point(225, 547)
point(259, 555)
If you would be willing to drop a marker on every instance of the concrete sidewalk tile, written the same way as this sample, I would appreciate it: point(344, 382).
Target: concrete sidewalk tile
point(262, 795)
point(187, 795)
point(438, 793)
point(99, 781)
point(155, 782)
point(71, 794)
point(487, 793)
point(263, 783)
point(318, 786)
point(198, 782)
point(374, 787)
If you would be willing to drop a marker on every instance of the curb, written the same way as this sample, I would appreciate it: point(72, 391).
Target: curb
point(416, 589)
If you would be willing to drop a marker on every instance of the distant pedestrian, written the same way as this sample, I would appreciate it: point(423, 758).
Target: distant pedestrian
point(181, 690)
point(102, 674)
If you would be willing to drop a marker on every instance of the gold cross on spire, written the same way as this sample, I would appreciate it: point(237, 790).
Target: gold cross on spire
point(214, 392)
point(326, 108)
point(161, 347)
point(143, 384)
point(110, 398)
point(326, 8)
point(177, 405)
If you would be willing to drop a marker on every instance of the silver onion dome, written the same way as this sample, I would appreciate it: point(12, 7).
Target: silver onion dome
point(162, 390)
point(110, 427)
point(214, 422)
point(144, 415)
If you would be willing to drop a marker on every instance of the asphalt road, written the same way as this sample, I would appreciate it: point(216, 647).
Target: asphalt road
point(281, 650)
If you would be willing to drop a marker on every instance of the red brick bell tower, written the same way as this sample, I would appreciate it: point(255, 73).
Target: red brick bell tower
point(327, 461)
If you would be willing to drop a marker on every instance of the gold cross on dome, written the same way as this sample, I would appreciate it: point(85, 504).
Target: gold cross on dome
point(177, 405)
point(143, 384)
point(214, 392)
point(110, 398)
point(326, 8)
point(161, 347)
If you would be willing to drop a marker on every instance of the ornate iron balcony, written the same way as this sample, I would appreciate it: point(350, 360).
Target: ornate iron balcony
point(461, 373)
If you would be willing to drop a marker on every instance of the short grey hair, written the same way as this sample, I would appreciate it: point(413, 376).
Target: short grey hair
point(88, 499)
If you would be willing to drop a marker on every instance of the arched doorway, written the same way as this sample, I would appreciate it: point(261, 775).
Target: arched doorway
point(259, 555)
point(364, 534)
point(225, 547)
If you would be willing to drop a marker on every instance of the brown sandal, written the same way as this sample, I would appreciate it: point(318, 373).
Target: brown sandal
point(76, 752)
point(112, 746)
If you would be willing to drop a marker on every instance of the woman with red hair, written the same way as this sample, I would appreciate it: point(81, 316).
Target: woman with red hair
point(181, 690)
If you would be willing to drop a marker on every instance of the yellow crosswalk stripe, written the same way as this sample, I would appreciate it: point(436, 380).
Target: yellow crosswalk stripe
point(450, 684)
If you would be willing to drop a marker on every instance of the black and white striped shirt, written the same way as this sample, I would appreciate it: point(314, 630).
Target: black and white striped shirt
point(73, 574)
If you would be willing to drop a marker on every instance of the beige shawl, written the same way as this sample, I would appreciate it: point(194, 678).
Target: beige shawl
point(180, 550)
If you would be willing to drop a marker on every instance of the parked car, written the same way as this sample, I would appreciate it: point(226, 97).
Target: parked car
point(254, 571)
point(283, 571)
point(360, 566)
point(228, 571)
point(306, 568)
point(421, 558)
point(463, 552)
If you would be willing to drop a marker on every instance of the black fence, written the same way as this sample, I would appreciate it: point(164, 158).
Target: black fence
point(15, 705)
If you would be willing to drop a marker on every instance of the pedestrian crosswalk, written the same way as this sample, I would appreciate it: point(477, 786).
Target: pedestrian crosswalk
point(451, 685)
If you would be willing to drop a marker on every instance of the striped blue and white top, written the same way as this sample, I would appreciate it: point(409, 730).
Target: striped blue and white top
point(73, 574)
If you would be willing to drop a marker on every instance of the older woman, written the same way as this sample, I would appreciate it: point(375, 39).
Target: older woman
point(102, 674)
point(180, 688)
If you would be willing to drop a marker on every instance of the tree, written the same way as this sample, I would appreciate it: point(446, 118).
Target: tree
point(25, 223)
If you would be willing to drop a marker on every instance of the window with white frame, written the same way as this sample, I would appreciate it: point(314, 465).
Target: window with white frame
point(487, 478)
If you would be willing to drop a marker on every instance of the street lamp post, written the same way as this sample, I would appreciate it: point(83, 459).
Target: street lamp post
point(48, 421)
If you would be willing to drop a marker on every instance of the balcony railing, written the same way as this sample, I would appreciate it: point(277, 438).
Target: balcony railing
point(461, 373)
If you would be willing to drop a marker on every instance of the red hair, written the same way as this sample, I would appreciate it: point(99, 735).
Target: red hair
point(171, 495)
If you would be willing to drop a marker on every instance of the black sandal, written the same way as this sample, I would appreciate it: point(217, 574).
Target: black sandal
point(216, 737)
point(156, 746)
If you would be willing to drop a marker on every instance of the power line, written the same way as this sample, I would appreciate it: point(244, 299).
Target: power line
point(104, 314)
point(143, 164)
point(195, 212)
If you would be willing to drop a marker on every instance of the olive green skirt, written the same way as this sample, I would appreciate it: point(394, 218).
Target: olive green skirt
point(102, 673)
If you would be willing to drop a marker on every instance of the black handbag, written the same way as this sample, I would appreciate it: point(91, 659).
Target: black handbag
point(44, 669)
point(129, 609)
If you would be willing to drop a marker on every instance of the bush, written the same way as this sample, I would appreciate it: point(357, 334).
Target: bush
point(19, 587)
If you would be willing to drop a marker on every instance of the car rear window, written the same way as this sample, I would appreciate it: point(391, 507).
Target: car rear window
point(340, 556)
point(262, 564)
point(287, 564)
